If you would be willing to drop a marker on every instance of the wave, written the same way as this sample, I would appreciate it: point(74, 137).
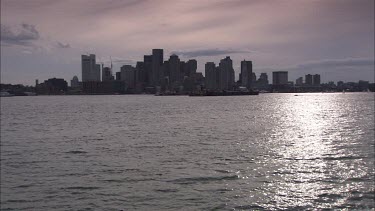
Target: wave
point(77, 152)
point(192, 180)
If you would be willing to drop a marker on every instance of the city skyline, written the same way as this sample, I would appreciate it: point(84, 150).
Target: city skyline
point(334, 38)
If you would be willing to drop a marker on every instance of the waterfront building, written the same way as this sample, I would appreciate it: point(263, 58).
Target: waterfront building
point(74, 82)
point(262, 82)
point(263, 79)
point(90, 70)
point(308, 79)
point(246, 74)
point(280, 78)
point(52, 86)
point(128, 76)
point(103, 87)
point(299, 81)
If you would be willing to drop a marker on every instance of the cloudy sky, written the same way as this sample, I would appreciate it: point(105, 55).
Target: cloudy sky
point(41, 39)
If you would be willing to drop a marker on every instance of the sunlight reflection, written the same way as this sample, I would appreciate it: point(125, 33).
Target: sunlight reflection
point(305, 143)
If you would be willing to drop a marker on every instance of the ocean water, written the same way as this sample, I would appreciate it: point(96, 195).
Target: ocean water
point(142, 152)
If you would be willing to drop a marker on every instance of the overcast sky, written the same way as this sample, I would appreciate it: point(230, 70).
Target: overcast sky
point(41, 39)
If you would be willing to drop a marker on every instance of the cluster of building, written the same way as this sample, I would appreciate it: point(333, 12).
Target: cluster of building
point(153, 75)
point(156, 75)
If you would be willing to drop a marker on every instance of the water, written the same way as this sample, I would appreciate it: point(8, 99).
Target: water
point(139, 152)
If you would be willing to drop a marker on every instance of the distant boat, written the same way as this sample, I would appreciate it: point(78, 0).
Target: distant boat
point(30, 93)
point(223, 93)
point(6, 94)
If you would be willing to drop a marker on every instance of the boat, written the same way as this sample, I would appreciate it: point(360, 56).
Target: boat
point(223, 93)
point(6, 94)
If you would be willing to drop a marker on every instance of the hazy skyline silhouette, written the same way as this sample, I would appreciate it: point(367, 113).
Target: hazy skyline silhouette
point(41, 39)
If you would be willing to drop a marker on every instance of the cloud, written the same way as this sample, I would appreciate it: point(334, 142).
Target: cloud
point(21, 35)
point(326, 64)
point(208, 52)
point(61, 45)
point(123, 61)
point(336, 63)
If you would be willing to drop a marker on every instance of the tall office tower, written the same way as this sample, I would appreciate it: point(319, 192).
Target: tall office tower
point(316, 79)
point(107, 74)
point(147, 62)
point(128, 76)
point(246, 73)
point(226, 81)
point(174, 70)
point(299, 81)
point(157, 62)
point(308, 79)
point(191, 67)
point(210, 76)
point(280, 78)
point(90, 70)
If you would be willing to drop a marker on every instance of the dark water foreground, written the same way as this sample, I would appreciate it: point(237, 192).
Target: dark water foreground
point(266, 152)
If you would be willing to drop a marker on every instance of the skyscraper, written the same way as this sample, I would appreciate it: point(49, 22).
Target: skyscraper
point(246, 73)
point(157, 62)
point(308, 79)
point(316, 79)
point(90, 70)
point(191, 67)
point(128, 76)
point(107, 74)
point(175, 74)
point(226, 74)
point(147, 62)
point(210, 76)
point(280, 77)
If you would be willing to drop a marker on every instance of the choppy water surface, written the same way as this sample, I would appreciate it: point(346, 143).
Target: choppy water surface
point(266, 152)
